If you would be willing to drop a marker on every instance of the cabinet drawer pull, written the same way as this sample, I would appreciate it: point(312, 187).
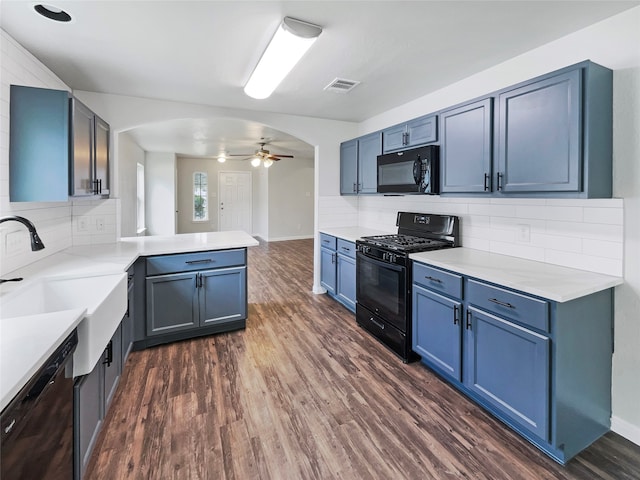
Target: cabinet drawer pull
point(345, 248)
point(377, 324)
point(191, 262)
point(502, 304)
point(433, 279)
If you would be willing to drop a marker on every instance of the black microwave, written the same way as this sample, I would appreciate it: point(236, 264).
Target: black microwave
point(410, 171)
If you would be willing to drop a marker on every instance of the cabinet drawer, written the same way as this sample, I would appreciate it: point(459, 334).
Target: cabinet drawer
point(514, 306)
point(437, 280)
point(188, 262)
point(327, 241)
point(346, 248)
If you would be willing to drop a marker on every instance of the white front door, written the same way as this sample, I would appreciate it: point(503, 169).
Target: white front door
point(234, 201)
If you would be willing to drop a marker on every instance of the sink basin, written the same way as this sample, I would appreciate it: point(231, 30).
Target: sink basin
point(103, 296)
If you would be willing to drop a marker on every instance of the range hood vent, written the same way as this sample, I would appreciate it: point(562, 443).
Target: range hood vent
point(341, 85)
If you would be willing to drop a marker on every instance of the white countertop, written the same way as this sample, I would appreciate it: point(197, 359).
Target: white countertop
point(27, 341)
point(545, 280)
point(26, 344)
point(352, 234)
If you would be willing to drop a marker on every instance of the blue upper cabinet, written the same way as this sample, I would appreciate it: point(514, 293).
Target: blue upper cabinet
point(38, 145)
point(539, 141)
point(349, 167)
point(416, 132)
point(57, 147)
point(358, 164)
point(466, 148)
point(369, 147)
point(550, 136)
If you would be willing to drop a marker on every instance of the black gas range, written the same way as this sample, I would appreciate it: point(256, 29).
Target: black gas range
point(383, 275)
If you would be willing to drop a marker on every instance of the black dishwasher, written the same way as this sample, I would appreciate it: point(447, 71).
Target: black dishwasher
point(37, 426)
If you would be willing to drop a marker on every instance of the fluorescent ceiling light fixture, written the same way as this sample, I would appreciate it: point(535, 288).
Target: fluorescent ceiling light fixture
point(290, 42)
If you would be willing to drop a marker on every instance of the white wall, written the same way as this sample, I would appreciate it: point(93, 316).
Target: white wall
point(291, 199)
point(261, 204)
point(596, 235)
point(160, 193)
point(129, 155)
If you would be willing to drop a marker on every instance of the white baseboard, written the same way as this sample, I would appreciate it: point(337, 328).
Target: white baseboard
point(628, 430)
point(282, 239)
point(317, 289)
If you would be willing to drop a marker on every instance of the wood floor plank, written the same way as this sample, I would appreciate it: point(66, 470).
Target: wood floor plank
point(304, 393)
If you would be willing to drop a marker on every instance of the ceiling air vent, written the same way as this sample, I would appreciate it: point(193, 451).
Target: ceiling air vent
point(341, 85)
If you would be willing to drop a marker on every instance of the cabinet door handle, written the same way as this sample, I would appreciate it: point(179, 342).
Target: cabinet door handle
point(456, 319)
point(433, 279)
point(191, 262)
point(486, 182)
point(345, 248)
point(468, 326)
point(499, 178)
point(108, 354)
point(502, 304)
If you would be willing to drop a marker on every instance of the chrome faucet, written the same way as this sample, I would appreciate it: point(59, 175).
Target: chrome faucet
point(36, 243)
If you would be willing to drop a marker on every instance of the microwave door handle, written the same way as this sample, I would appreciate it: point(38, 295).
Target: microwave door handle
point(417, 171)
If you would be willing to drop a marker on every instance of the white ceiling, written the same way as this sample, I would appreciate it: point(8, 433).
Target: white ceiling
point(204, 51)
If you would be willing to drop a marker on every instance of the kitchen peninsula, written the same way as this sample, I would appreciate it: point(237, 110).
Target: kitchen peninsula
point(78, 262)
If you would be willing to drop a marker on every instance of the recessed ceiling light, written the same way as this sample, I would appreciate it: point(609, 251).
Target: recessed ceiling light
point(53, 13)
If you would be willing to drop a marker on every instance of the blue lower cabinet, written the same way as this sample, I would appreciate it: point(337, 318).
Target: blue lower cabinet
point(508, 366)
point(338, 269)
point(328, 260)
point(436, 331)
point(542, 367)
point(346, 286)
point(222, 295)
point(172, 303)
point(194, 294)
point(92, 396)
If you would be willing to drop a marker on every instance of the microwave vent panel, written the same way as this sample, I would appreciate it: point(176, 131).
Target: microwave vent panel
point(341, 85)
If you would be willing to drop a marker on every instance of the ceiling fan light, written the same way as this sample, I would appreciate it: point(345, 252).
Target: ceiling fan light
point(255, 162)
point(267, 163)
point(290, 42)
point(222, 158)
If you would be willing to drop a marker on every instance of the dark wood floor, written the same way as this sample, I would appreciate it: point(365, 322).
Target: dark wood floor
point(303, 393)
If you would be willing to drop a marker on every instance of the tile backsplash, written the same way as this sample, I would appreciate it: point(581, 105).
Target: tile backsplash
point(61, 224)
point(581, 234)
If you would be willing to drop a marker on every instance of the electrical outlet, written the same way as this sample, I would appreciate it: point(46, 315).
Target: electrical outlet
point(83, 225)
point(15, 242)
point(523, 233)
point(99, 224)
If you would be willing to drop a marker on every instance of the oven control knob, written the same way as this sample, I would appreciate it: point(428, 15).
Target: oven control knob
point(392, 257)
point(367, 249)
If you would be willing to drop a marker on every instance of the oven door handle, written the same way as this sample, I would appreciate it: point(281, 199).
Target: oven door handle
point(366, 258)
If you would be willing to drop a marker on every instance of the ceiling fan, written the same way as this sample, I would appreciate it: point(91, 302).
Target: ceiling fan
point(262, 155)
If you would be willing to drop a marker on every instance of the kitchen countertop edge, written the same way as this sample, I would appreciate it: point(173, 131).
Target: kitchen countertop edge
point(545, 280)
point(352, 234)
